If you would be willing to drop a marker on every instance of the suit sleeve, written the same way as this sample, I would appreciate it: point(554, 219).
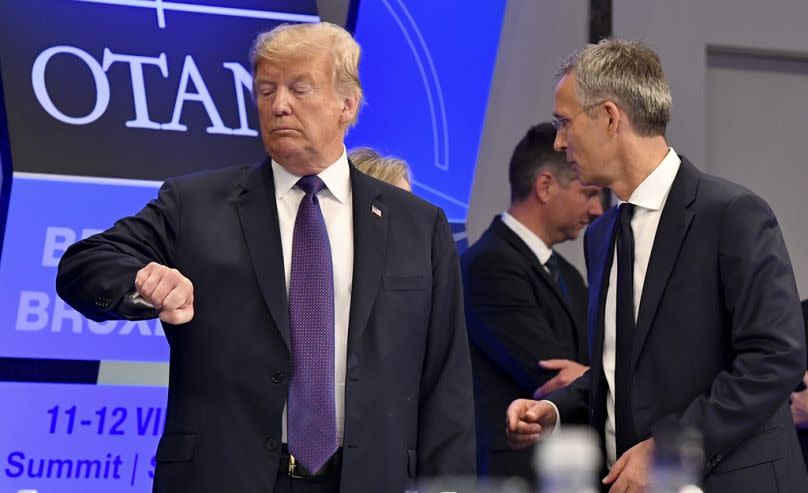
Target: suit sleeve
point(97, 274)
point(446, 443)
point(507, 324)
point(766, 333)
point(572, 401)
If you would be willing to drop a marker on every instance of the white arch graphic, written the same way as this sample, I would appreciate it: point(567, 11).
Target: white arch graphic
point(160, 7)
point(437, 109)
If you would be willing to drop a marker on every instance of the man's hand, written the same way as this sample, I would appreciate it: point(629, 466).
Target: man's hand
point(168, 291)
point(527, 420)
point(568, 371)
point(799, 405)
point(632, 471)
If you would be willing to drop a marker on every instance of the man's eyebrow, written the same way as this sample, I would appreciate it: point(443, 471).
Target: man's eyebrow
point(303, 78)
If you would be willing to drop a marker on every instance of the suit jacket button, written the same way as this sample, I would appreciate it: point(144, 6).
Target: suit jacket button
point(272, 444)
point(277, 377)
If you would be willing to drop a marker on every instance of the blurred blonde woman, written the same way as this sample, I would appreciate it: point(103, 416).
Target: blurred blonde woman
point(385, 168)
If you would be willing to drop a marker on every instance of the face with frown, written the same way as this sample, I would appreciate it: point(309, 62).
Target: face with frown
point(303, 116)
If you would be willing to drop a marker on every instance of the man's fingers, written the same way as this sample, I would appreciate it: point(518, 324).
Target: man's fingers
point(616, 469)
point(549, 386)
point(167, 290)
point(516, 411)
point(522, 441)
point(619, 486)
point(171, 280)
point(163, 287)
point(179, 316)
point(525, 428)
point(554, 364)
point(179, 296)
point(805, 378)
point(147, 280)
point(144, 273)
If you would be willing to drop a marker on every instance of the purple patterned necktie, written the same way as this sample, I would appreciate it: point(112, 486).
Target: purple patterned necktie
point(312, 422)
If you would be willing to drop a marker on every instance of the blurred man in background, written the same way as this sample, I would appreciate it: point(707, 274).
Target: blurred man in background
point(525, 304)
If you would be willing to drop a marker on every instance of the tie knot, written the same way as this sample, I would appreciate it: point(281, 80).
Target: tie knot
point(626, 212)
point(311, 184)
point(552, 263)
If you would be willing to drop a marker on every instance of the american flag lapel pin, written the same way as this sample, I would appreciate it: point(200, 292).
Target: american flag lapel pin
point(375, 210)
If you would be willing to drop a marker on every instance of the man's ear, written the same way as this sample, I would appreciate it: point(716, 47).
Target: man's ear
point(542, 184)
point(350, 106)
point(613, 116)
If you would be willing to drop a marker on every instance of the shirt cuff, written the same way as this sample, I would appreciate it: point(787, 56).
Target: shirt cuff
point(557, 425)
point(136, 299)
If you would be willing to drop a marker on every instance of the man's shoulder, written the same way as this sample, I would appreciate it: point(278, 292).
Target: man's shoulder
point(492, 249)
point(713, 190)
point(721, 190)
point(225, 176)
point(404, 208)
point(393, 195)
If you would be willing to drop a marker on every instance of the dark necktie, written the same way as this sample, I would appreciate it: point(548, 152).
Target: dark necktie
point(553, 264)
point(625, 323)
point(312, 427)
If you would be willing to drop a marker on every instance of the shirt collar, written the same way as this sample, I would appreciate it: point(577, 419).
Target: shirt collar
point(337, 178)
point(533, 242)
point(651, 193)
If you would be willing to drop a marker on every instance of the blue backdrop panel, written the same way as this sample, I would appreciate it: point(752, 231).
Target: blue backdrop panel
point(47, 214)
point(79, 438)
point(426, 72)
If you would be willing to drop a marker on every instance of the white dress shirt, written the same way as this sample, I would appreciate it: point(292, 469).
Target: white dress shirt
point(336, 203)
point(536, 245)
point(649, 198)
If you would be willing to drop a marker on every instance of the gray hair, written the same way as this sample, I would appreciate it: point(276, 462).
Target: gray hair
point(300, 41)
point(629, 74)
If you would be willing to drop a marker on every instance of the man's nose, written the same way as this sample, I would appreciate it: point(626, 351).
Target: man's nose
point(281, 102)
point(560, 142)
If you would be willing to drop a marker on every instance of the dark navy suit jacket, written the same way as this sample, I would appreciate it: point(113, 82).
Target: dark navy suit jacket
point(408, 389)
point(719, 342)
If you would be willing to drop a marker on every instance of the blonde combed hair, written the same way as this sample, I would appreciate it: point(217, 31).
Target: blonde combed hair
point(300, 41)
point(385, 168)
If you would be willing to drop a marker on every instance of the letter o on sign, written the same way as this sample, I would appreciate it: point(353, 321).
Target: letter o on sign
point(41, 91)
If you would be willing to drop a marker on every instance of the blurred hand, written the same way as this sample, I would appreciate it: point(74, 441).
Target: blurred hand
point(632, 471)
point(568, 371)
point(799, 405)
point(526, 420)
point(167, 290)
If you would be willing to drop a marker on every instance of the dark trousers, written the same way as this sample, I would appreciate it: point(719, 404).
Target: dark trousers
point(320, 484)
point(326, 483)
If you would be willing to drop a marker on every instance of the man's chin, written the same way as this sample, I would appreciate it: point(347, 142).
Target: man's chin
point(283, 150)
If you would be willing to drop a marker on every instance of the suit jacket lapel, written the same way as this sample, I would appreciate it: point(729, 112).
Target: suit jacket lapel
point(370, 216)
point(671, 231)
point(258, 213)
point(511, 237)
